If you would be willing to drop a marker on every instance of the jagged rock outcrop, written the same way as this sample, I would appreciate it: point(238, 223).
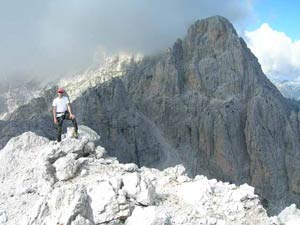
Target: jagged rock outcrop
point(204, 103)
point(103, 191)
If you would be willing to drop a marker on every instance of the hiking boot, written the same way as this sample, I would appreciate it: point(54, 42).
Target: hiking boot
point(75, 134)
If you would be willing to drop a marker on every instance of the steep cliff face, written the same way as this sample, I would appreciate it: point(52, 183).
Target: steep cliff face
point(204, 103)
point(218, 110)
point(126, 132)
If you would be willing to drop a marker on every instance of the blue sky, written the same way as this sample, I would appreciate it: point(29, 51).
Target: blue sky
point(272, 32)
point(279, 14)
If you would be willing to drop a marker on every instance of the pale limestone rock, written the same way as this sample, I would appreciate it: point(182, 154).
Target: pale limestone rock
point(22, 173)
point(83, 173)
point(150, 215)
point(243, 193)
point(186, 190)
point(147, 193)
point(105, 203)
point(108, 193)
point(66, 167)
point(100, 152)
point(130, 167)
point(70, 145)
point(116, 183)
point(289, 216)
point(122, 199)
point(87, 133)
point(81, 221)
point(89, 148)
point(139, 188)
point(84, 144)
point(131, 183)
point(182, 179)
point(69, 133)
point(275, 221)
point(175, 171)
point(62, 206)
point(26, 141)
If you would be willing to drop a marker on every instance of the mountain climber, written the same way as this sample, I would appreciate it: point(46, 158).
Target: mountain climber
point(61, 110)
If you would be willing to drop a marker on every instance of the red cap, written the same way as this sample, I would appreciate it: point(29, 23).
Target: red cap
point(60, 90)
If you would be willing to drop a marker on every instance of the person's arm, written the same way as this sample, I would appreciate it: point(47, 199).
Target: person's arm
point(54, 114)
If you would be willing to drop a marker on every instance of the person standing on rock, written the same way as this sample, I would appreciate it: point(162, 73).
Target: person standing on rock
point(61, 110)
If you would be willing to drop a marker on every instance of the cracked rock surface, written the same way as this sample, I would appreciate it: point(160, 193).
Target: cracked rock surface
point(45, 183)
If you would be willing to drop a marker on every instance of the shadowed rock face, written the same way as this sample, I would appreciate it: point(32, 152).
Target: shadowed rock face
point(125, 131)
point(204, 103)
point(218, 110)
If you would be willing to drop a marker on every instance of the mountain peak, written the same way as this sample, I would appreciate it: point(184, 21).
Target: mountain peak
point(215, 27)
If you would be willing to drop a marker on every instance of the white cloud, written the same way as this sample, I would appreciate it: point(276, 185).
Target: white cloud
point(48, 38)
point(278, 54)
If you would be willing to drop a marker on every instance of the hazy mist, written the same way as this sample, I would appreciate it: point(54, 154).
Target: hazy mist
point(51, 38)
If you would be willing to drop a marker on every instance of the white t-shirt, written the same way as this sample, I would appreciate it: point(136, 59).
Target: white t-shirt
point(61, 105)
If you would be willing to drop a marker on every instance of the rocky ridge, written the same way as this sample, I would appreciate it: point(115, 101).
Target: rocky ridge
point(112, 67)
point(14, 97)
point(75, 182)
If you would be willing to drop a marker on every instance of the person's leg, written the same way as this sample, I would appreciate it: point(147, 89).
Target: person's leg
point(75, 125)
point(59, 128)
point(74, 122)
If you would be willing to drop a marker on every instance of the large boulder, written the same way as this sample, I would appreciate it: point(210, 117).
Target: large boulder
point(148, 216)
point(66, 167)
point(289, 216)
point(63, 206)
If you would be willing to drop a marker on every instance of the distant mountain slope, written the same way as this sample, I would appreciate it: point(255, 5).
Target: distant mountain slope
point(14, 95)
point(289, 89)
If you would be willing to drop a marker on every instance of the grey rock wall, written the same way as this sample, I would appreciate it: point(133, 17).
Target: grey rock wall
point(219, 111)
